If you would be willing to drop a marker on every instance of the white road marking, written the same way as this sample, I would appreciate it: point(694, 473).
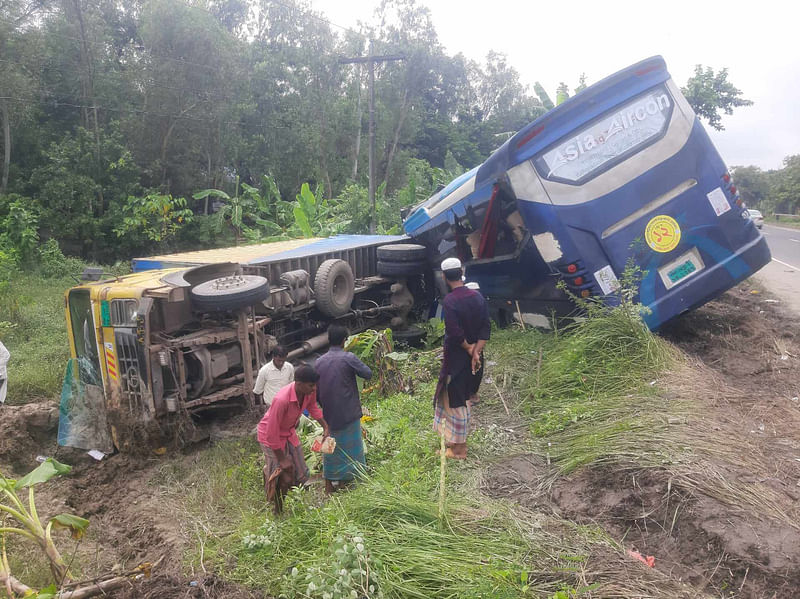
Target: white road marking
point(784, 263)
point(795, 240)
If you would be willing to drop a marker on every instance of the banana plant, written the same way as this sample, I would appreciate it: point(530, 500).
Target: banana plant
point(27, 523)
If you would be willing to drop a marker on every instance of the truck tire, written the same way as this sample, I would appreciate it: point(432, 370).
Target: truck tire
point(229, 293)
point(334, 288)
point(402, 269)
point(401, 252)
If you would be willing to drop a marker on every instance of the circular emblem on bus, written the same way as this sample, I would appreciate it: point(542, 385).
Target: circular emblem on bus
point(662, 233)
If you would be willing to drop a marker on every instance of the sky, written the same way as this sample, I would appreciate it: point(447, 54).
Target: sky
point(552, 42)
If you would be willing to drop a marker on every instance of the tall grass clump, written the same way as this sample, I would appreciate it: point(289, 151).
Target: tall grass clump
point(592, 389)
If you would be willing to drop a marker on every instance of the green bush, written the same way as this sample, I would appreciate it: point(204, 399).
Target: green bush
point(53, 263)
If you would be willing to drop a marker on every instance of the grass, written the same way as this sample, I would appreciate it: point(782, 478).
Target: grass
point(784, 221)
point(386, 533)
point(36, 336)
point(591, 398)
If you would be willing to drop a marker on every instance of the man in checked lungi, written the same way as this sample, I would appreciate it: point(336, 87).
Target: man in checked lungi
point(341, 405)
point(277, 432)
point(466, 331)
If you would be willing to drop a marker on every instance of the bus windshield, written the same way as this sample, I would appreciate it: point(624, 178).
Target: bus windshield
point(608, 140)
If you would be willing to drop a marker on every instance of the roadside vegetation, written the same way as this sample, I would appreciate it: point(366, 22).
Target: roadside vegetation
point(386, 536)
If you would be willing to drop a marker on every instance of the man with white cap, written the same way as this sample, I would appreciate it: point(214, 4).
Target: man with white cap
point(467, 329)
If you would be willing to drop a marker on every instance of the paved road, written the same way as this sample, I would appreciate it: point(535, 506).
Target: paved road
point(782, 275)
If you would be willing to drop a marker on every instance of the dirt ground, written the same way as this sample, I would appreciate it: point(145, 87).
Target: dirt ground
point(746, 353)
point(745, 341)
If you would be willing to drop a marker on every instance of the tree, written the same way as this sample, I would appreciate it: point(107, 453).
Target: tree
point(708, 93)
point(752, 183)
point(784, 195)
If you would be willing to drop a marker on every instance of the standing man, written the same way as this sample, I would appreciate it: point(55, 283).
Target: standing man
point(277, 432)
point(274, 375)
point(466, 331)
point(338, 396)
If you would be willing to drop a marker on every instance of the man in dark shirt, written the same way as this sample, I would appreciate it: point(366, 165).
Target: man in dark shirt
point(337, 393)
point(466, 331)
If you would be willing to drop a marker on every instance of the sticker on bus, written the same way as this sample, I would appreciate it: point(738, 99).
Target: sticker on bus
point(662, 233)
point(718, 201)
point(607, 280)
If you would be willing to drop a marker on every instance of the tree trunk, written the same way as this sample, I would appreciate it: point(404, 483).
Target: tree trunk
point(165, 143)
point(393, 148)
point(323, 132)
point(358, 133)
point(6, 144)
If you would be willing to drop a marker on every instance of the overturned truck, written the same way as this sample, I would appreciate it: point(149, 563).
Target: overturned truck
point(186, 333)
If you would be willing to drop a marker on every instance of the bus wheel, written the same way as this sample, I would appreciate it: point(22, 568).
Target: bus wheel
point(334, 288)
point(230, 293)
point(401, 252)
point(402, 269)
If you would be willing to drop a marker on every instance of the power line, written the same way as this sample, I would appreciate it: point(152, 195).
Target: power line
point(59, 102)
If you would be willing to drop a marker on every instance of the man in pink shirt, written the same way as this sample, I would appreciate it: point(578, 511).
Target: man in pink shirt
point(277, 432)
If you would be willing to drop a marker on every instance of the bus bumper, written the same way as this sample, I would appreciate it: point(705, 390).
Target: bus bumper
point(706, 286)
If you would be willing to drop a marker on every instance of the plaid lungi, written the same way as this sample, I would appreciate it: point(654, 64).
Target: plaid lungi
point(455, 420)
point(301, 473)
point(347, 461)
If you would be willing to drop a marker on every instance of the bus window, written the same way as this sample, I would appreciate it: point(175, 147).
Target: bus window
point(609, 140)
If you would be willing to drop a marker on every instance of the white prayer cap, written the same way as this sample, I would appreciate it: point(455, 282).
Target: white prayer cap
point(472, 285)
point(451, 264)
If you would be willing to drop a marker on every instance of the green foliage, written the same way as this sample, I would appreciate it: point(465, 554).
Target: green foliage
point(753, 185)
point(434, 332)
point(708, 93)
point(54, 264)
point(314, 216)
point(25, 521)
point(351, 571)
point(32, 327)
point(19, 221)
point(543, 96)
point(784, 194)
point(155, 216)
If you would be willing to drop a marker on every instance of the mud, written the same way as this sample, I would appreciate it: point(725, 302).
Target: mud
point(746, 348)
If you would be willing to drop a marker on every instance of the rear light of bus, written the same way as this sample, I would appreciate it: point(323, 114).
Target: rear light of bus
point(726, 177)
point(585, 293)
point(740, 202)
point(572, 268)
point(733, 189)
point(577, 281)
point(530, 136)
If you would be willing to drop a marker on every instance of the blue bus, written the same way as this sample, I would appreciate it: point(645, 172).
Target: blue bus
point(622, 171)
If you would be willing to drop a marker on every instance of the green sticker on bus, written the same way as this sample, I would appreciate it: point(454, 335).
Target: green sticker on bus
point(105, 314)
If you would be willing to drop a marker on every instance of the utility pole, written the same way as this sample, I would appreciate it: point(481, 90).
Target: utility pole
point(370, 59)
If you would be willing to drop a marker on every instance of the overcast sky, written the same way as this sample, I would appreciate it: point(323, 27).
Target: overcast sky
point(557, 41)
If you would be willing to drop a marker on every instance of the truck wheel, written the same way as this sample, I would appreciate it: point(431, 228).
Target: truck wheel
point(229, 293)
point(401, 252)
point(402, 269)
point(334, 288)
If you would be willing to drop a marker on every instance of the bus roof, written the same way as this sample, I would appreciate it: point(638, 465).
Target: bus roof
point(572, 114)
